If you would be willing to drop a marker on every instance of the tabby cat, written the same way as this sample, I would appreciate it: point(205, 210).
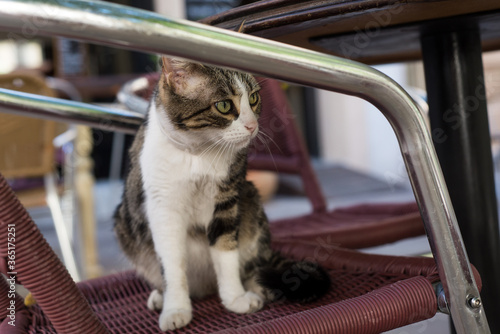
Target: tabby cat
point(189, 221)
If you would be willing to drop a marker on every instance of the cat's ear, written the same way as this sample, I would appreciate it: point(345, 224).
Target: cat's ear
point(175, 71)
point(181, 75)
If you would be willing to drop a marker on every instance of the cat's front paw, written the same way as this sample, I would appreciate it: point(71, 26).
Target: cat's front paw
point(155, 300)
point(174, 318)
point(246, 303)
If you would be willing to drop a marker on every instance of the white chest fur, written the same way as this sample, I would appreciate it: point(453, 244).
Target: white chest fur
point(176, 180)
point(173, 174)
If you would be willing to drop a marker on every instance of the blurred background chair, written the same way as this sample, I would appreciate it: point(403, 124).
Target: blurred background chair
point(47, 163)
point(28, 159)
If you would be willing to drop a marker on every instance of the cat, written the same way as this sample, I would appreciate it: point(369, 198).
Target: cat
point(189, 221)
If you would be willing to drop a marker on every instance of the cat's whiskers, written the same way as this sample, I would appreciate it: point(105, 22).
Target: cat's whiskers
point(270, 138)
point(222, 151)
point(226, 149)
point(211, 166)
point(210, 147)
point(222, 155)
point(231, 149)
point(233, 146)
point(267, 146)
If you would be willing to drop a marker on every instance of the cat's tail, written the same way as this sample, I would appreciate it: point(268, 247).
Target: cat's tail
point(301, 281)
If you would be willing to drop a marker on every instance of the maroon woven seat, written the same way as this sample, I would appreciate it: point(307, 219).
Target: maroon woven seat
point(123, 296)
point(361, 226)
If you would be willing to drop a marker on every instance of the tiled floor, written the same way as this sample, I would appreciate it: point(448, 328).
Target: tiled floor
point(343, 187)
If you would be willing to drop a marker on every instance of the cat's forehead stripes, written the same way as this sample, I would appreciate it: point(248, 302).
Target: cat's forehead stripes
point(195, 109)
point(229, 81)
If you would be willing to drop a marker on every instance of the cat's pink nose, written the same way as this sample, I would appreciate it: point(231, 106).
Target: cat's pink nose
point(251, 127)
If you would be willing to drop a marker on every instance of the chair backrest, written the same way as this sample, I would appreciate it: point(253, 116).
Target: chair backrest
point(26, 148)
point(279, 146)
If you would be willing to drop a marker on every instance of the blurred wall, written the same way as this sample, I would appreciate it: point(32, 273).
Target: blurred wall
point(355, 134)
point(172, 8)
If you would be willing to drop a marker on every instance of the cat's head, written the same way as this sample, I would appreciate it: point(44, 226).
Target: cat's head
point(205, 104)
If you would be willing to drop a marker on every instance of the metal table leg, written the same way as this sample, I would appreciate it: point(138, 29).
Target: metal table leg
point(459, 120)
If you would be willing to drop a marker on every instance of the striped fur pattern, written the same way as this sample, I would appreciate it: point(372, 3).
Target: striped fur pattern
point(189, 221)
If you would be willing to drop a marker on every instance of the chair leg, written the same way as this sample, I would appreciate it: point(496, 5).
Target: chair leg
point(459, 120)
point(53, 202)
point(84, 187)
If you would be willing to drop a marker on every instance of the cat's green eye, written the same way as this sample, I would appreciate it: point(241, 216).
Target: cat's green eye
point(223, 106)
point(254, 98)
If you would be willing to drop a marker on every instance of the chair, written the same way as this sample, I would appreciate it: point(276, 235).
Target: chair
point(31, 148)
point(315, 236)
point(26, 143)
point(28, 159)
point(372, 293)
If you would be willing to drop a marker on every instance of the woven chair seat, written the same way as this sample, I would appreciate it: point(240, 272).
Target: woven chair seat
point(393, 292)
point(361, 226)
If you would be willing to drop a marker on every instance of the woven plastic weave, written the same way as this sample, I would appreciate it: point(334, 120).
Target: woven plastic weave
point(120, 303)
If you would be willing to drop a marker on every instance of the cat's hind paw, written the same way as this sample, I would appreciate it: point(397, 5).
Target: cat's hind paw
point(155, 300)
point(174, 319)
point(246, 303)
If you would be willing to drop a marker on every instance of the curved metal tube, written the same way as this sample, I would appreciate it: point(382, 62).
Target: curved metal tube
point(129, 99)
point(69, 111)
point(114, 25)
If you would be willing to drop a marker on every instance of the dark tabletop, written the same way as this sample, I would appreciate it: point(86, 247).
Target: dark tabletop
point(370, 31)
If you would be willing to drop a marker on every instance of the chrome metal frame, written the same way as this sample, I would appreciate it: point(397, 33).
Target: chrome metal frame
point(63, 235)
point(69, 111)
point(124, 27)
